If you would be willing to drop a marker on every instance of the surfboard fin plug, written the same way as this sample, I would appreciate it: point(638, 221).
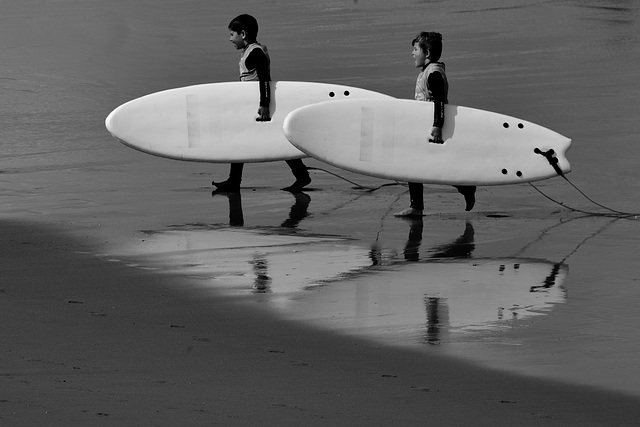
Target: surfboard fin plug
point(551, 158)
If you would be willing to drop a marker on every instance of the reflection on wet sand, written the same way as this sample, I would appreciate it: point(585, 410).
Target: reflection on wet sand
point(414, 295)
point(454, 292)
point(251, 260)
point(236, 216)
point(261, 270)
point(299, 209)
point(437, 308)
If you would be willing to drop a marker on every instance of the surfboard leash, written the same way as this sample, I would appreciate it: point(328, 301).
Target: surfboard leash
point(553, 161)
point(370, 189)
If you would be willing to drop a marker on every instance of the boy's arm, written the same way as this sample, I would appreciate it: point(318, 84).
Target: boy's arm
point(436, 84)
point(258, 60)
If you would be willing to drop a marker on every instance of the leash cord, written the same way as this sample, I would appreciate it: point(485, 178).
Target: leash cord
point(370, 189)
point(553, 161)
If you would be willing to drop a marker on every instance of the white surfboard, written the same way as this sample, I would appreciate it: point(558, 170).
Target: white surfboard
point(389, 139)
point(217, 122)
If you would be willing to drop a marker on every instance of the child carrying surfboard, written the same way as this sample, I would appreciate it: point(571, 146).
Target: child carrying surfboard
point(431, 86)
point(255, 65)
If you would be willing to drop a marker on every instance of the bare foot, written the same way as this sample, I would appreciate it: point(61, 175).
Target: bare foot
point(299, 184)
point(469, 193)
point(410, 213)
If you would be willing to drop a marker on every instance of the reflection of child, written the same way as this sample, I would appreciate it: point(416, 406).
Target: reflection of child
point(255, 66)
point(432, 86)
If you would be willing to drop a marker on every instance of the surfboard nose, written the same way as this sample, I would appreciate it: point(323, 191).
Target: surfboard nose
point(115, 123)
point(108, 122)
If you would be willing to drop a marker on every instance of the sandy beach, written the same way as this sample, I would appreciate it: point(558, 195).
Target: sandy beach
point(91, 342)
point(130, 295)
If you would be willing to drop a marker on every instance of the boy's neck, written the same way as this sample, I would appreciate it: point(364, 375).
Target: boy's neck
point(429, 63)
point(248, 43)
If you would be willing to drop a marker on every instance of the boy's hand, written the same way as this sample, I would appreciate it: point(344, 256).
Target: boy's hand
point(263, 115)
point(436, 135)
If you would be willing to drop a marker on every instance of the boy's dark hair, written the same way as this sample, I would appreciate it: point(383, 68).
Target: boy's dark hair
point(429, 41)
point(246, 23)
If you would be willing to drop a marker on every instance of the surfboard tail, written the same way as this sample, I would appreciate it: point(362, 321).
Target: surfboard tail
point(556, 154)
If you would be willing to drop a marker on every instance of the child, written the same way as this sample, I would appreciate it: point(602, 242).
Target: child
point(255, 65)
point(432, 86)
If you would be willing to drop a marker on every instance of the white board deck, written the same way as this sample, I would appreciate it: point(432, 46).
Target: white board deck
point(216, 122)
point(389, 139)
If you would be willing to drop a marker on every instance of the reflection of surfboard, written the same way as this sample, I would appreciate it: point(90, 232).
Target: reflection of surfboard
point(428, 300)
point(240, 261)
point(350, 290)
point(217, 122)
point(389, 139)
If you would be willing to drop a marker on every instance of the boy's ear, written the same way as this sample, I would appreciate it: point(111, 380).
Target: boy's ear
point(243, 34)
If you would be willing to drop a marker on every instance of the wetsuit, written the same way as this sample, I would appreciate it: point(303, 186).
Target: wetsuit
point(432, 86)
point(255, 64)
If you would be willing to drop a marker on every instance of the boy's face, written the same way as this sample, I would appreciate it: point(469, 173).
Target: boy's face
point(421, 58)
point(238, 39)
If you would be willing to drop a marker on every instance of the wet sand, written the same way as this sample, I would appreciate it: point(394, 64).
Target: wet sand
point(129, 295)
point(89, 341)
point(96, 334)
